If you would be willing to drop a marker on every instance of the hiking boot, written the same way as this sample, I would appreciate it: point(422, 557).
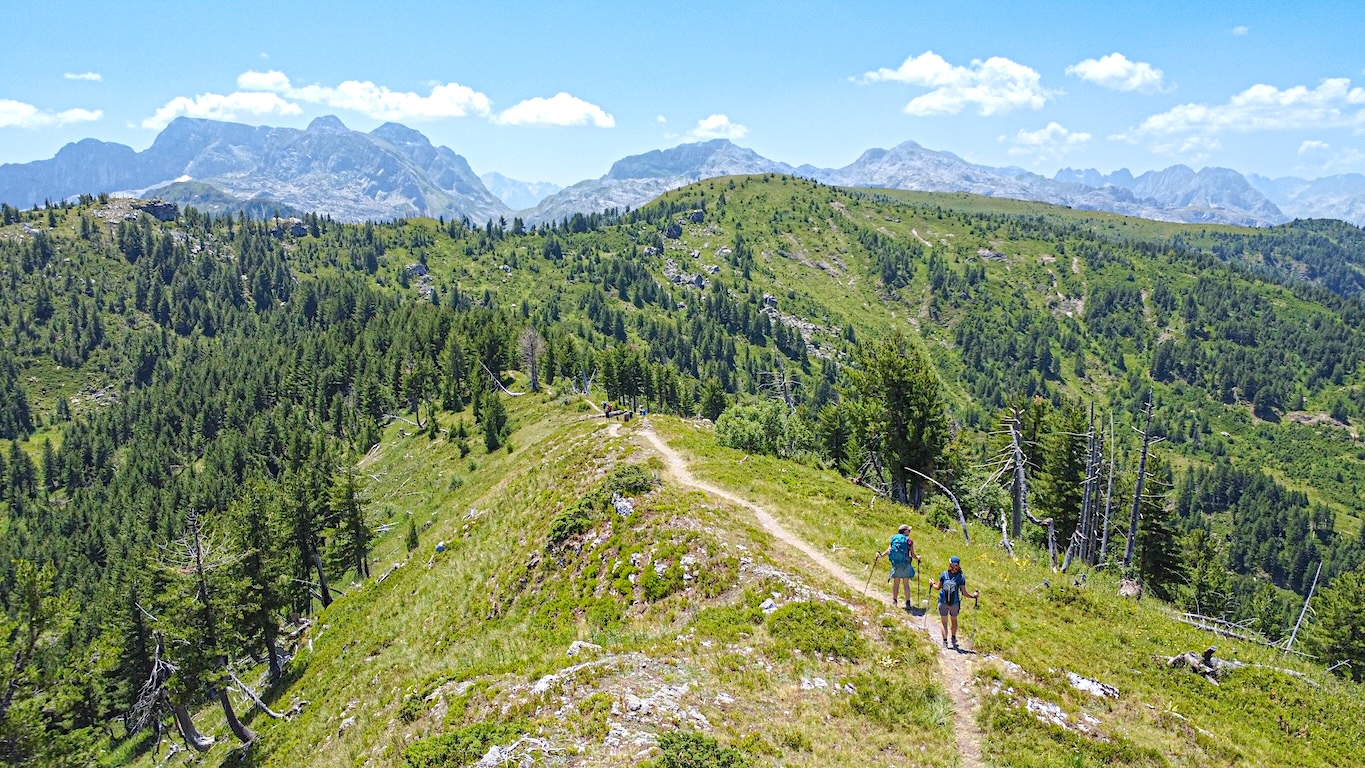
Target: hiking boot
point(945, 642)
point(954, 641)
point(907, 605)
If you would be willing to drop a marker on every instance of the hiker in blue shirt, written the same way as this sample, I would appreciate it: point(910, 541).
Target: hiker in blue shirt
point(899, 553)
point(951, 586)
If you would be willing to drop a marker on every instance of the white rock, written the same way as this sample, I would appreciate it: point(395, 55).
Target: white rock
point(578, 646)
point(1092, 687)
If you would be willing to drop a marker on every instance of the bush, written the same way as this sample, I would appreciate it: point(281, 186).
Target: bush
point(689, 749)
point(940, 513)
point(630, 480)
point(766, 428)
point(462, 747)
point(827, 628)
point(627, 480)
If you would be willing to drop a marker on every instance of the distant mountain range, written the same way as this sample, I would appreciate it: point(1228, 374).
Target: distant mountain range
point(394, 171)
point(388, 173)
point(518, 195)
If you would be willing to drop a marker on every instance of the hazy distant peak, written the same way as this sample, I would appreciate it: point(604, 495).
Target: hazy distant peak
point(327, 123)
point(396, 133)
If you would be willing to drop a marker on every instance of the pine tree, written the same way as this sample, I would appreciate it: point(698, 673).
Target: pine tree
point(1339, 634)
point(905, 416)
point(713, 400)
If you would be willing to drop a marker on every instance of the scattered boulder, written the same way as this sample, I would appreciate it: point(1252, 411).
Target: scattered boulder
point(1130, 588)
point(1092, 687)
point(579, 646)
point(158, 209)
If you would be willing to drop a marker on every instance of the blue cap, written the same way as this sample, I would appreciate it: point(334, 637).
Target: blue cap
point(955, 560)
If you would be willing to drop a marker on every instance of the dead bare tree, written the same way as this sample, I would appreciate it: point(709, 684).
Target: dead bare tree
point(1137, 492)
point(531, 347)
point(1108, 494)
point(961, 516)
point(1083, 540)
point(1021, 509)
point(153, 702)
point(198, 556)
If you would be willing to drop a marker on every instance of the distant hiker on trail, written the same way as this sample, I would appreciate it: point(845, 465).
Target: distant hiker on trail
point(899, 553)
point(951, 586)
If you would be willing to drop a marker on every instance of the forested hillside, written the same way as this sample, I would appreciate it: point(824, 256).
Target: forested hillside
point(185, 404)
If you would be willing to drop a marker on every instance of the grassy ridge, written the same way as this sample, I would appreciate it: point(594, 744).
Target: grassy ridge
point(1162, 716)
point(455, 640)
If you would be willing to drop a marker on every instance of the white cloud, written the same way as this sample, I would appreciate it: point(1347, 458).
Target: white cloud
point(216, 106)
point(1117, 72)
point(17, 114)
point(560, 109)
point(1332, 104)
point(274, 80)
point(1239, 30)
point(1194, 149)
point(1049, 142)
point(660, 119)
point(716, 127)
point(376, 101)
point(93, 77)
point(1319, 157)
point(996, 85)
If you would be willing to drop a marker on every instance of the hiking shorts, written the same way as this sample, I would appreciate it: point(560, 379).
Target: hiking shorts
point(949, 610)
point(902, 570)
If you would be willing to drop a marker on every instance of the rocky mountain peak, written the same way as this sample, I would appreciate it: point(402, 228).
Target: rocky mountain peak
point(326, 123)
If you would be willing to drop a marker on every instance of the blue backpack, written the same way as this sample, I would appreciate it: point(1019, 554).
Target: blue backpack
point(900, 549)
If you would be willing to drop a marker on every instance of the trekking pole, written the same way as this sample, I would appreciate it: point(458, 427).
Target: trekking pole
point(918, 598)
point(975, 603)
point(870, 569)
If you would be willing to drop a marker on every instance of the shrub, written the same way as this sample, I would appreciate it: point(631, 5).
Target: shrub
point(462, 747)
point(822, 627)
point(689, 749)
point(630, 480)
point(940, 513)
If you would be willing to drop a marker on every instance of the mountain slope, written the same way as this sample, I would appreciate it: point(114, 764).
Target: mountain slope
point(269, 366)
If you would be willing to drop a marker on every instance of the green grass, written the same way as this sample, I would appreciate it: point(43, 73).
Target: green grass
point(1256, 717)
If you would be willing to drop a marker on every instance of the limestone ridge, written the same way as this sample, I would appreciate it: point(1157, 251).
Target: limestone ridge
point(1180, 187)
point(389, 173)
point(1331, 197)
point(394, 172)
point(1212, 195)
point(635, 180)
point(518, 195)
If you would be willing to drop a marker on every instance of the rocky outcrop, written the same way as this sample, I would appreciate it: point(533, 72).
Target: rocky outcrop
point(392, 172)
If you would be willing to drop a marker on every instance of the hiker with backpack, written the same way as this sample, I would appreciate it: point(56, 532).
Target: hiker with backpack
point(899, 552)
point(951, 586)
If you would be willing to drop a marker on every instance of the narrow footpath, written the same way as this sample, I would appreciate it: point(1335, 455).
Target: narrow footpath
point(956, 664)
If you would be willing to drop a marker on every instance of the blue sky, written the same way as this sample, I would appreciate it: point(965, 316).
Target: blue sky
point(556, 92)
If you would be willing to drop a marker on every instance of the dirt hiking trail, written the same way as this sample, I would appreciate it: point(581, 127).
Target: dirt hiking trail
point(956, 665)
